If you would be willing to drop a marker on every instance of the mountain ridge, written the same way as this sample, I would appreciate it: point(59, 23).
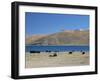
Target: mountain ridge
point(75, 37)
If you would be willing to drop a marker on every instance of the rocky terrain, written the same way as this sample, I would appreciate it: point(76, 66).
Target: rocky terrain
point(68, 37)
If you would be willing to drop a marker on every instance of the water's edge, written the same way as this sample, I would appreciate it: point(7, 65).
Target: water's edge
point(29, 48)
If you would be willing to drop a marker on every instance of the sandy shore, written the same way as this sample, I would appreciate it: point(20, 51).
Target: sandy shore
point(34, 60)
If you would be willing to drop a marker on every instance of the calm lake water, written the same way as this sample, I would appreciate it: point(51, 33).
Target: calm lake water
point(55, 48)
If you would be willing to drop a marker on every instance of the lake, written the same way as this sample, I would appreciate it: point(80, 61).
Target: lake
point(42, 48)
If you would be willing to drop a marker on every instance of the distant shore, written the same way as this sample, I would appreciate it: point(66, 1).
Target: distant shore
point(60, 45)
point(43, 59)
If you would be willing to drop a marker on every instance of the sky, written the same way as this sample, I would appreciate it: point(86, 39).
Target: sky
point(47, 23)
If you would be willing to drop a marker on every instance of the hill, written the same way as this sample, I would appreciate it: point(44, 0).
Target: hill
point(30, 39)
point(68, 37)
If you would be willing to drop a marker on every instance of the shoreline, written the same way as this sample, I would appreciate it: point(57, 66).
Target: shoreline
point(43, 59)
point(60, 45)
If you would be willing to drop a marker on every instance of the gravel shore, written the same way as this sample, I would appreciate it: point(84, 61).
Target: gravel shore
point(43, 59)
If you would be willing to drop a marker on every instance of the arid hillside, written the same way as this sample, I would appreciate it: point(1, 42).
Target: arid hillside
point(75, 37)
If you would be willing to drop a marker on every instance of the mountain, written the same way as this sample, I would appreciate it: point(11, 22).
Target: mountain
point(30, 39)
point(68, 37)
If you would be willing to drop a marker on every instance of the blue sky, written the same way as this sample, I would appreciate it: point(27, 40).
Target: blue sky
point(46, 23)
